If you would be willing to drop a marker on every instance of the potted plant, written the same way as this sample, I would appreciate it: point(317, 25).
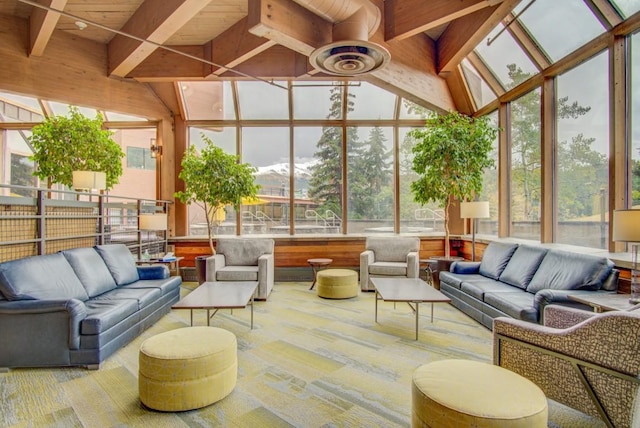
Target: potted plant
point(64, 144)
point(214, 179)
point(450, 155)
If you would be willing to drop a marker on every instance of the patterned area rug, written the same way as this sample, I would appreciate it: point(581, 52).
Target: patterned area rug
point(308, 362)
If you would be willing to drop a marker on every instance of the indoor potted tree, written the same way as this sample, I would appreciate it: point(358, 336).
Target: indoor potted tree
point(450, 155)
point(214, 179)
point(64, 144)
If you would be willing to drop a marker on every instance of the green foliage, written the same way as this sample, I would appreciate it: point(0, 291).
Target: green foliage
point(450, 156)
point(214, 179)
point(635, 176)
point(63, 144)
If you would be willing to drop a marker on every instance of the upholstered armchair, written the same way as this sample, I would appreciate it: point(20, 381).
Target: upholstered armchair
point(388, 257)
point(240, 259)
point(587, 361)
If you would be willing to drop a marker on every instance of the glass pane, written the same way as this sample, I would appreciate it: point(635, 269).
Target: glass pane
point(208, 100)
point(16, 108)
point(371, 102)
point(312, 100)
point(136, 182)
point(525, 166)
point(413, 216)
point(480, 91)
point(489, 226)
point(61, 109)
point(583, 152)
point(505, 58)
point(635, 119)
point(308, 218)
point(370, 180)
point(268, 150)
point(560, 27)
point(224, 138)
point(411, 110)
point(259, 100)
point(627, 7)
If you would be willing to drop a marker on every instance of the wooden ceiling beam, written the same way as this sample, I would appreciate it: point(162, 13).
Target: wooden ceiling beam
point(235, 46)
point(526, 42)
point(605, 12)
point(464, 34)
point(42, 22)
point(406, 18)
point(153, 21)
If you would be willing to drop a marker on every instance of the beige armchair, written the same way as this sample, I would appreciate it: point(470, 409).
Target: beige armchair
point(387, 257)
point(243, 259)
point(587, 361)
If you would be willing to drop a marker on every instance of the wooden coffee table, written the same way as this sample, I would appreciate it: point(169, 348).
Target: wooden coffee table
point(219, 295)
point(408, 290)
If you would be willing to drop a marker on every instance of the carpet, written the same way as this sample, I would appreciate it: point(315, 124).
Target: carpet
point(308, 362)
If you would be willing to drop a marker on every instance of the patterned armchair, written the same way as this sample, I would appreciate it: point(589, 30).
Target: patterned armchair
point(587, 361)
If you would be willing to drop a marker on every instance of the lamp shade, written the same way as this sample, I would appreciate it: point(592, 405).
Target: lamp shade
point(626, 225)
point(152, 222)
point(474, 209)
point(89, 180)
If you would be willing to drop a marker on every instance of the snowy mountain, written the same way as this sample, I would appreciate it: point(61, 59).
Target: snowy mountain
point(302, 171)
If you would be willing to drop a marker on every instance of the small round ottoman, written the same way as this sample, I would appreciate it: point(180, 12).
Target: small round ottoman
point(337, 283)
point(187, 368)
point(461, 393)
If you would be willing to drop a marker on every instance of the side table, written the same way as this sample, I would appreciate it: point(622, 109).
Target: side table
point(316, 265)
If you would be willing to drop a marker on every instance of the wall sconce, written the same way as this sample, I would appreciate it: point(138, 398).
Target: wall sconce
point(156, 149)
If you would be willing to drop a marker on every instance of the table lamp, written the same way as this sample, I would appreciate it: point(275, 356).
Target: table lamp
point(151, 222)
point(626, 228)
point(474, 210)
point(89, 180)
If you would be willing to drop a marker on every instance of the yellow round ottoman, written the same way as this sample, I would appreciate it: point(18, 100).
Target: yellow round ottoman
point(187, 368)
point(337, 283)
point(461, 393)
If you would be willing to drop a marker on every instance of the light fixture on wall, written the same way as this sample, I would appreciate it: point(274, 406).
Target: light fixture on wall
point(152, 222)
point(474, 210)
point(89, 180)
point(156, 149)
point(626, 228)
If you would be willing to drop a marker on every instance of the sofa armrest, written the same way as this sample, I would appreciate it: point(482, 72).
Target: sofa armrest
point(413, 264)
point(25, 321)
point(214, 263)
point(548, 296)
point(366, 258)
point(466, 268)
point(153, 272)
point(266, 274)
point(557, 316)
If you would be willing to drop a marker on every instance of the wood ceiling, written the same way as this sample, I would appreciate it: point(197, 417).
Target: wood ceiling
point(269, 39)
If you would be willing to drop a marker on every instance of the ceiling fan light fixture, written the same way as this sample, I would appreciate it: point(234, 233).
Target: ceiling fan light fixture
point(349, 57)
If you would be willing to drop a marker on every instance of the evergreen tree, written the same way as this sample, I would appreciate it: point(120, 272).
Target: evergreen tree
point(325, 184)
point(370, 180)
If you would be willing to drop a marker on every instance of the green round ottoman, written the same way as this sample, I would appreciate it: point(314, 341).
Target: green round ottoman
point(187, 368)
point(337, 283)
point(461, 393)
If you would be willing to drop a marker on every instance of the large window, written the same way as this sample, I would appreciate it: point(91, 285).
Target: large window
point(525, 166)
point(489, 226)
point(635, 120)
point(582, 154)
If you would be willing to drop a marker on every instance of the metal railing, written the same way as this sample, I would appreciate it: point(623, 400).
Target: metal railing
point(36, 221)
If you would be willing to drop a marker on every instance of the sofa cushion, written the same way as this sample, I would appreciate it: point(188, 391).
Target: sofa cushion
point(91, 270)
point(517, 304)
point(523, 265)
point(477, 287)
point(243, 252)
point(238, 273)
point(120, 262)
point(455, 279)
point(166, 286)
point(562, 270)
point(142, 296)
point(388, 268)
point(392, 249)
point(48, 277)
point(102, 314)
point(495, 258)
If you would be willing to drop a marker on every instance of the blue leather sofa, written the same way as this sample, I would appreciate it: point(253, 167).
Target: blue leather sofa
point(77, 307)
point(518, 281)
